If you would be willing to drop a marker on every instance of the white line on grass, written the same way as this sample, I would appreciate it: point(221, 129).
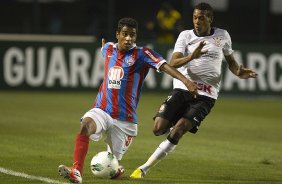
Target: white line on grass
point(27, 176)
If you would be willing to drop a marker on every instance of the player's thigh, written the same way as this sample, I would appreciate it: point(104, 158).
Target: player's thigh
point(173, 107)
point(88, 126)
point(198, 110)
point(118, 141)
point(102, 120)
point(161, 126)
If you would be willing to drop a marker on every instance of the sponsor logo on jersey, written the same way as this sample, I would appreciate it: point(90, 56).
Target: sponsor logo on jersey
point(204, 87)
point(115, 75)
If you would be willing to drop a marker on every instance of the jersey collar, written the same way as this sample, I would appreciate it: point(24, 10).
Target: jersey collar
point(133, 46)
point(211, 33)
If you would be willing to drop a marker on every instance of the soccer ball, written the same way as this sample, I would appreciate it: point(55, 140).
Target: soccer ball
point(104, 165)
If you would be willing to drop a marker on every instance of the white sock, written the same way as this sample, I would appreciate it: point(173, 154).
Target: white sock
point(160, 153)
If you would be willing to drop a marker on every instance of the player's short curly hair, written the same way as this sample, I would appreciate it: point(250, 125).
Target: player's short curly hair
point(130, 22)
point(205, 6)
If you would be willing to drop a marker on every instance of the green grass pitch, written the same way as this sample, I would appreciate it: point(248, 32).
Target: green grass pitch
point(239, 142)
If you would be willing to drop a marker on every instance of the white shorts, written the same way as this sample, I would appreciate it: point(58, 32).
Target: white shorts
point(119, 133)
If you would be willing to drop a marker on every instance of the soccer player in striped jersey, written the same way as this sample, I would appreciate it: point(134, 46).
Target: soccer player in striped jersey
point(114, 110)
point(181, 113)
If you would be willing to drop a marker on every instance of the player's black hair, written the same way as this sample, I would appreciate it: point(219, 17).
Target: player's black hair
point(205, 6)
point(130, 22)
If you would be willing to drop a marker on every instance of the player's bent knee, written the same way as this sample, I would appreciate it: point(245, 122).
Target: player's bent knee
point(161, 127)
point(158, 132)
point(88, 126)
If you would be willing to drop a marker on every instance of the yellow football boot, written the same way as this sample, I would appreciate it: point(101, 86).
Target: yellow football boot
point(137, 174)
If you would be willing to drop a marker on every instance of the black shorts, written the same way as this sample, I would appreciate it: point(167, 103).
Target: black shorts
point(180, 103)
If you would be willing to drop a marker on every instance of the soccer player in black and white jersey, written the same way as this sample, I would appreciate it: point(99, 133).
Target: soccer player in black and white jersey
point(198, 54)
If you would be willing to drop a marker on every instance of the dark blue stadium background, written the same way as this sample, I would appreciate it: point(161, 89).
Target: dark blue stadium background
point(247, 21)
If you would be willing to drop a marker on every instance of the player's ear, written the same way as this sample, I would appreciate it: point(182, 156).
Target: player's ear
point(117, 35)
point(211, 19)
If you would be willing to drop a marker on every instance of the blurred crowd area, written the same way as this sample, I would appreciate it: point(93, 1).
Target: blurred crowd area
point(251, 21)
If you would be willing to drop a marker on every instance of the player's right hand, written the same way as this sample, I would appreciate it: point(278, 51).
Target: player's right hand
point(198, 52)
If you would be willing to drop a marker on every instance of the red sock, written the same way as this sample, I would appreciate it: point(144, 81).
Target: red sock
point(80, 151)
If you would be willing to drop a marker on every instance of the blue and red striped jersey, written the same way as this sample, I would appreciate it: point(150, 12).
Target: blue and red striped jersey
point(124, 75)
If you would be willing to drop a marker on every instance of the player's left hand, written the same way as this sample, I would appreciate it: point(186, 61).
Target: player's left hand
point(103, 41)
point(245, 73)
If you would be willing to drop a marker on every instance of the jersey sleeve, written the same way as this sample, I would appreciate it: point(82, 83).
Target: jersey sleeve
point(104, 50)
point(181, 43)
point(153, 59)
point(227, 47)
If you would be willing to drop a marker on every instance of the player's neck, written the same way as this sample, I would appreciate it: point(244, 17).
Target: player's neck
point(209, 32)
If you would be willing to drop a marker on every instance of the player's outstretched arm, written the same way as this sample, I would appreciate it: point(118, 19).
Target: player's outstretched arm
point(178, 59)
point(245, 73)
point(191, 86)
point(239, 70)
